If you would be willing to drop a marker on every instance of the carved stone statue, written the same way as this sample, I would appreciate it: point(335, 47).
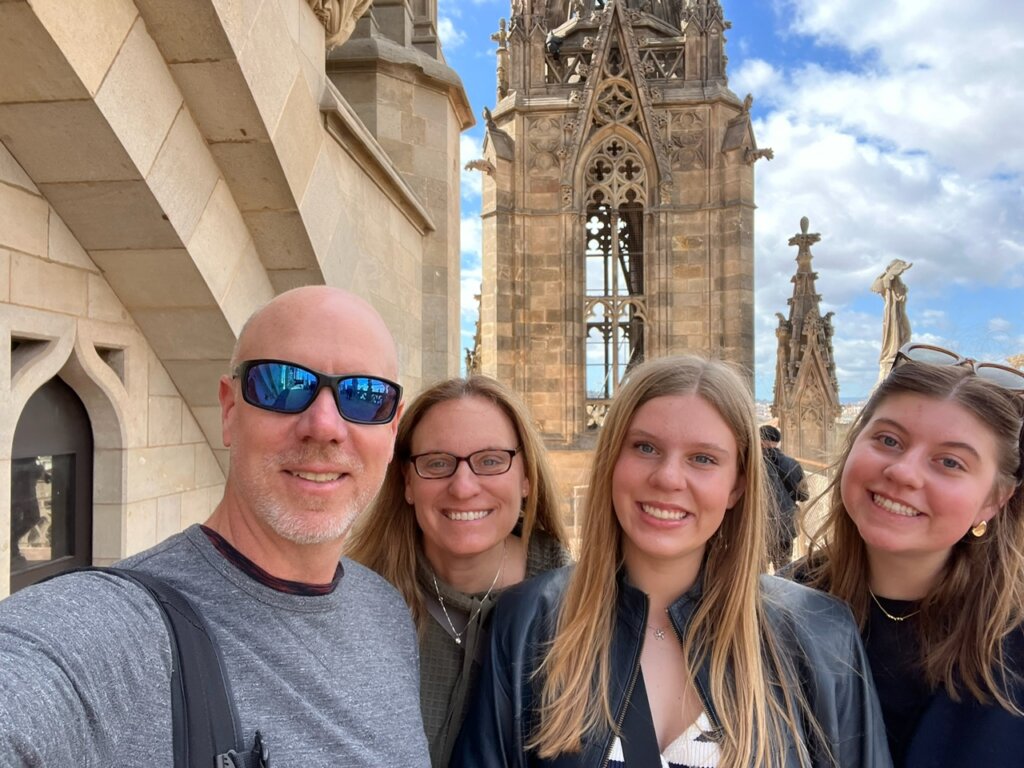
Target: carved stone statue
point(339, 17)
point(501, 38)
point(895, 323)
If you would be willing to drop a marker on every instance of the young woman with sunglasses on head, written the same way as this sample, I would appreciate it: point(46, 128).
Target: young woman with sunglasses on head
point(664, 646)
point(924, 538)
point(468, 508)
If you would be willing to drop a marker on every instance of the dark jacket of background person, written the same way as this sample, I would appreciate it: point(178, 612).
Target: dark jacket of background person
point(816, 629)
point(786, 477)
point(449, 671)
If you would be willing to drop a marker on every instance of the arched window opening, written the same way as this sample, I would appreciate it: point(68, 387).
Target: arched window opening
point(51, 486)
point(615, 311)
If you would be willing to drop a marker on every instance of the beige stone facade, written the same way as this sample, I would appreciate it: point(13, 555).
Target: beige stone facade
point(167, 166)
point(618, 206)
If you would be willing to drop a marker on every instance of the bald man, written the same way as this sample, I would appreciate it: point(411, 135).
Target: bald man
point(319, 652)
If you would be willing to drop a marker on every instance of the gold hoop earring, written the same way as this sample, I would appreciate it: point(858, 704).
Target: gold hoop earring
point(979, 530)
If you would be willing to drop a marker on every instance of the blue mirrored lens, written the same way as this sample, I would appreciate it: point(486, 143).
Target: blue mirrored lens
point(365, 399)
point(289, 388)
point(280, 387)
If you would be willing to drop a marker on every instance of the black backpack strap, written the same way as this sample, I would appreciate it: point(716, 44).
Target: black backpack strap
point(200, 700)
point(206, 731)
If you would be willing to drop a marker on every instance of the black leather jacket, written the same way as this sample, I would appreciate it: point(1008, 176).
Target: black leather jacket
point(816, 629)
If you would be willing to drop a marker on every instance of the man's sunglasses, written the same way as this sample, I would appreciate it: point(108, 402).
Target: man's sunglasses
point(283, 387)
point(1003, 375)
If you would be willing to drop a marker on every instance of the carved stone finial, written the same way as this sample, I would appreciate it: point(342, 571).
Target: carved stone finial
point(805, 224)
point(748, 102)
point(339, 17)
point(501, 38)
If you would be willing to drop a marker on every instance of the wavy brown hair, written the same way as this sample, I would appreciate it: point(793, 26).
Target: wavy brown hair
point(728, 630)
point(960, 650)
point(387, 537)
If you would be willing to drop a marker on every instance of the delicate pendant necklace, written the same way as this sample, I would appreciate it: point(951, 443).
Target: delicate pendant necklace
point(458, 635)
point(889, 615)
point(658, 632)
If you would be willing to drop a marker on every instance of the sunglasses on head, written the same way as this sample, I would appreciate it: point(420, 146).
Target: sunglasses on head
point(1003, 375)
point(283, 387)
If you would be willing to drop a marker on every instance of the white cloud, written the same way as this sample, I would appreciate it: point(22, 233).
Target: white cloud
point(910, 152)
point(470, 148)
point(451, 36)
point(933, 318)
point(938, 75)
point(999, 325)
point(470, 233)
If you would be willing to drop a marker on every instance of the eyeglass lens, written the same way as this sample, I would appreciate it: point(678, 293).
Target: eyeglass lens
point(1004, 376)
point(289, 388)
point(932, 355)
point(439, 465)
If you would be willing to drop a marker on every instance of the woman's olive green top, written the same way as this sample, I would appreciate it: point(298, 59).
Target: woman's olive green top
point(449, 670)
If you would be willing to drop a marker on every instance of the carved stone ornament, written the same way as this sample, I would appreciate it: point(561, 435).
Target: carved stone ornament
point(665, 191)
point(545, 137)
point(339, 17)
point(751, 156)
point(481, 165)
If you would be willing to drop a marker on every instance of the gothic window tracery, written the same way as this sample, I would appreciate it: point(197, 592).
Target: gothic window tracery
point(615, 305)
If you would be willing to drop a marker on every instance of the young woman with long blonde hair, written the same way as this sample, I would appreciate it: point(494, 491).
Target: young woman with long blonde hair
point(925, 540)
point(468, 508)
point(664, 643)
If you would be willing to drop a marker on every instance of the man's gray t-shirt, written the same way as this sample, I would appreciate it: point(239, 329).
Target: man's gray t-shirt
point(328, 679)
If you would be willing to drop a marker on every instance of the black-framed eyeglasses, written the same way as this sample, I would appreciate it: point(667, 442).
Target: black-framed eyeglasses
point(1003, 375)
point(488, 462)
point(284, 387)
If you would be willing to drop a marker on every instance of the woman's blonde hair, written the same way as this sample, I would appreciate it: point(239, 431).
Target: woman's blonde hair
point(958, 649)
point(727, 632)
point(387, 537)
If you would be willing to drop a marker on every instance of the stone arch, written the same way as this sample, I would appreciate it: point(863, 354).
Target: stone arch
point(97, 366)
point(616, 194)
point(633, 141)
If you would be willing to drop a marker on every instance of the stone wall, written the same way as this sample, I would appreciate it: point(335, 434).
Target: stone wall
point(167, 167)
point(154, 469)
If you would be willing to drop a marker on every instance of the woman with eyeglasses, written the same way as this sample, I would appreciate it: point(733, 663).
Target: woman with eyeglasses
point(664, 646)
point(924, 538)
point(468, 508)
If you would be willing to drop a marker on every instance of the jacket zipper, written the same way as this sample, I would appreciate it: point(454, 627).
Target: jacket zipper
point(701, 694)
point(629, 693)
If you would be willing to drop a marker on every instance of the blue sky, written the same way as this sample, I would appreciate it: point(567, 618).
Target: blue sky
point(898, 130)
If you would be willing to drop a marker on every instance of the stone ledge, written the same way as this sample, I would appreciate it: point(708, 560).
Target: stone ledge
point(379, 53)
point(345, 127)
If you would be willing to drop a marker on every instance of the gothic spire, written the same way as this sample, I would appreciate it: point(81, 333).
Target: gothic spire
point(805, 371)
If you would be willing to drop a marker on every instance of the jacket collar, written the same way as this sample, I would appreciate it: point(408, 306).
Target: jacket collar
point(630, 628)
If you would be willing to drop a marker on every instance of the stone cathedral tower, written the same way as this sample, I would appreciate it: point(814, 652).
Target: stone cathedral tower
point(806, 389)
point(618, 202)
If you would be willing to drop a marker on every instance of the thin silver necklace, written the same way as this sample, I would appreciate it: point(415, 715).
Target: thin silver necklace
point(658, 632)
point(889, 615)
point(458, 635)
